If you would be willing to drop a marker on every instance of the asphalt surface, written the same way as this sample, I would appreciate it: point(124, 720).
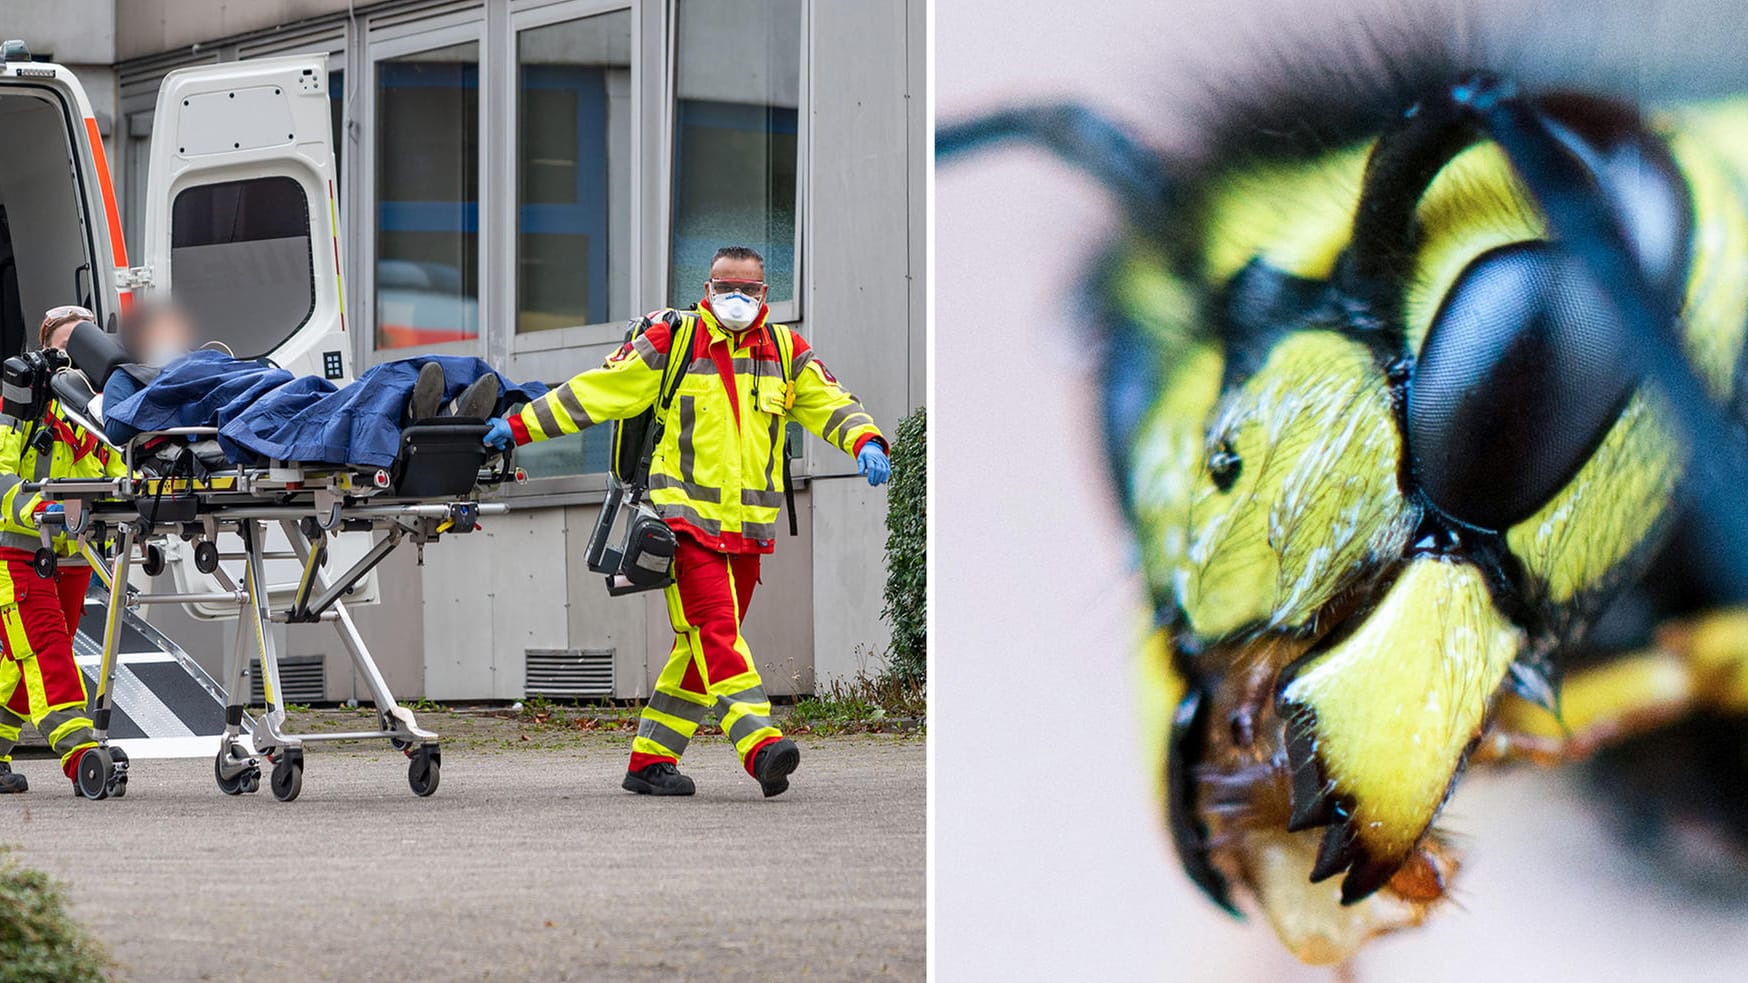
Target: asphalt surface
point(526, 864)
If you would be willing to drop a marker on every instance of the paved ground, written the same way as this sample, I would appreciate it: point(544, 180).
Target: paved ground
point(527, 863)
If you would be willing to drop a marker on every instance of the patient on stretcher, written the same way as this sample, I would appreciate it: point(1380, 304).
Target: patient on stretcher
point(263, 413)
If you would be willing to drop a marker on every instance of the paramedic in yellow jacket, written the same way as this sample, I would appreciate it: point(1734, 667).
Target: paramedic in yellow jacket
point(39, 681)
point(717, 478)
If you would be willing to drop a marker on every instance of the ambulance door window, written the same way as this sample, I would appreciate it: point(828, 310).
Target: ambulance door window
point(11, 303)
point(240, 261)
point(337, 119)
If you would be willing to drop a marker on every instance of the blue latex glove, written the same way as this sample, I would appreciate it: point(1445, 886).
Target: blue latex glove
point(873, 463)
point(54, 508)
point(499, 434)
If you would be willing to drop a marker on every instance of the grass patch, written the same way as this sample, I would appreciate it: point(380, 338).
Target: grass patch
point(39, 940)
point(863, 703)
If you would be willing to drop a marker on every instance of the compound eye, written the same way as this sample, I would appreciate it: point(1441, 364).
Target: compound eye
point(1523, 372)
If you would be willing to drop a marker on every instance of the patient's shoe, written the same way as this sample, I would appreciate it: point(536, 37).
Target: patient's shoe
point(11, 781)
point(478, 401)
point(427, 393)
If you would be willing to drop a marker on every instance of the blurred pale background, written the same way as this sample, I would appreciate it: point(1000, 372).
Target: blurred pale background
point(1051, 863)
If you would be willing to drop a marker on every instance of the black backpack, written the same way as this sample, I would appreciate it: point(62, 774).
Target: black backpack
point(634, 438)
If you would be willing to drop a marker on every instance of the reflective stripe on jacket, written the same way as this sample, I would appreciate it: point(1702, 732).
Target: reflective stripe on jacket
point(718, 471)
point(74, 453)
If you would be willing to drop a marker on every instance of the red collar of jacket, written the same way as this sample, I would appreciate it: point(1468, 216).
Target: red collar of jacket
point(722, 356)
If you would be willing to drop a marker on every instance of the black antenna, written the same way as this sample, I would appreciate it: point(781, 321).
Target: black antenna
point(1079, 136)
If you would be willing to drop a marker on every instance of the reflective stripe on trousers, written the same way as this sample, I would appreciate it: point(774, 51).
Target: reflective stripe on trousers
point(710, 664)
point(39, 681)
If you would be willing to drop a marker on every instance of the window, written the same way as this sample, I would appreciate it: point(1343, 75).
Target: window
point(573, 173)
point(427, 197)
point(337, 123)
point(240, 261)
point(138, 152)
point(738, 80)
point(589, 452)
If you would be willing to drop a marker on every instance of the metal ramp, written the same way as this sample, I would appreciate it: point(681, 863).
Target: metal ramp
point(166, 706)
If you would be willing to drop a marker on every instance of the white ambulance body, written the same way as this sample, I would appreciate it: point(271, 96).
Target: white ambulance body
point(240, 223)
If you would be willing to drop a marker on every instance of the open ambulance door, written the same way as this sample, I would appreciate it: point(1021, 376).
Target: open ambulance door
point(242, 230)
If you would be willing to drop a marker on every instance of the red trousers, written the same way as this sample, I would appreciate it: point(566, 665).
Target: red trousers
point(39, 681)
point(710, 665)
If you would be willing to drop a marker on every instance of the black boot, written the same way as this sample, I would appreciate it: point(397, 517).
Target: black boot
point(427, 395)
point(11, 781)
point(660, 778)
point(776, 761)
point(479, 401)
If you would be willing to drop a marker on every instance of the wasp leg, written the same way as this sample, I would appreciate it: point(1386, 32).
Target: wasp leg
point(1698, 663)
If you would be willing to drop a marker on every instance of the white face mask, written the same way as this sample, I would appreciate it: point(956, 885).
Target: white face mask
point(735, 310)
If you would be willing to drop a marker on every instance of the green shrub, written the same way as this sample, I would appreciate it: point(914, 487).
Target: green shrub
point(39, 940)
point(907, 529)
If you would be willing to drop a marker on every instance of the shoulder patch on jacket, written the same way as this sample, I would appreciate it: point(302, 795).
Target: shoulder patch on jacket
point(623, 352)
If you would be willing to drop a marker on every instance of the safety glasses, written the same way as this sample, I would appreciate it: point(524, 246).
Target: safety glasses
point(752, 288)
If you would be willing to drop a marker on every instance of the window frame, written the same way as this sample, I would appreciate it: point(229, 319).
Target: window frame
point(787, 311)
point(576, 335)
point(364, 177)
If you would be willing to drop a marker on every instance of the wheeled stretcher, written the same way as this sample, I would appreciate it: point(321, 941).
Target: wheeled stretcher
point(431, 490)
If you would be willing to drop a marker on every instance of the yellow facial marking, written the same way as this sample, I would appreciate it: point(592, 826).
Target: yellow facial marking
point(1316, 494)
point(1162, 482)
point(1475, 204)
point(1712, 152)
point(1398, 701)
point(1607, 509)
point(1297, 217)
point(1162, 689)
point(1150, 294)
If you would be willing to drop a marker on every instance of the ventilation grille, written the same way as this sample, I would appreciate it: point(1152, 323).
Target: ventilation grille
point(421, 13)
point(303, 678)
point(569, 673)
point(297, 40)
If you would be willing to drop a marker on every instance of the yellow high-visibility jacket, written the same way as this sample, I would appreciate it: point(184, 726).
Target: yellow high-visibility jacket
point(73, 453)
point(717, 473)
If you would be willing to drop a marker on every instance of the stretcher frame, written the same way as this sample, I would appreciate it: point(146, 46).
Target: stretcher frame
point(310, 503)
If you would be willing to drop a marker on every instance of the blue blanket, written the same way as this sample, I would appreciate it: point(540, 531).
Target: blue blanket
point(265, 413)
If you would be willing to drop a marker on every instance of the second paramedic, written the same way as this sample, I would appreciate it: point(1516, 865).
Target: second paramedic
point(39, 681)
point(717, 480)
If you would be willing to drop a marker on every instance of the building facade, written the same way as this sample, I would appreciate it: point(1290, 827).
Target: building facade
point(517, 178)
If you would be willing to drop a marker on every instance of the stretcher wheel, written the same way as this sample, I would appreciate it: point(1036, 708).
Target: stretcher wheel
point(206, 557)
point(118, 781)
point(424, 770)
point(44, 562)
point(288, 775)
point(154, 561)
point(242, 783)
point(94, 773)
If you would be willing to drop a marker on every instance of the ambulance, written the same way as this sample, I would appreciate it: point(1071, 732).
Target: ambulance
point(240, 217)
point(241, 223)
